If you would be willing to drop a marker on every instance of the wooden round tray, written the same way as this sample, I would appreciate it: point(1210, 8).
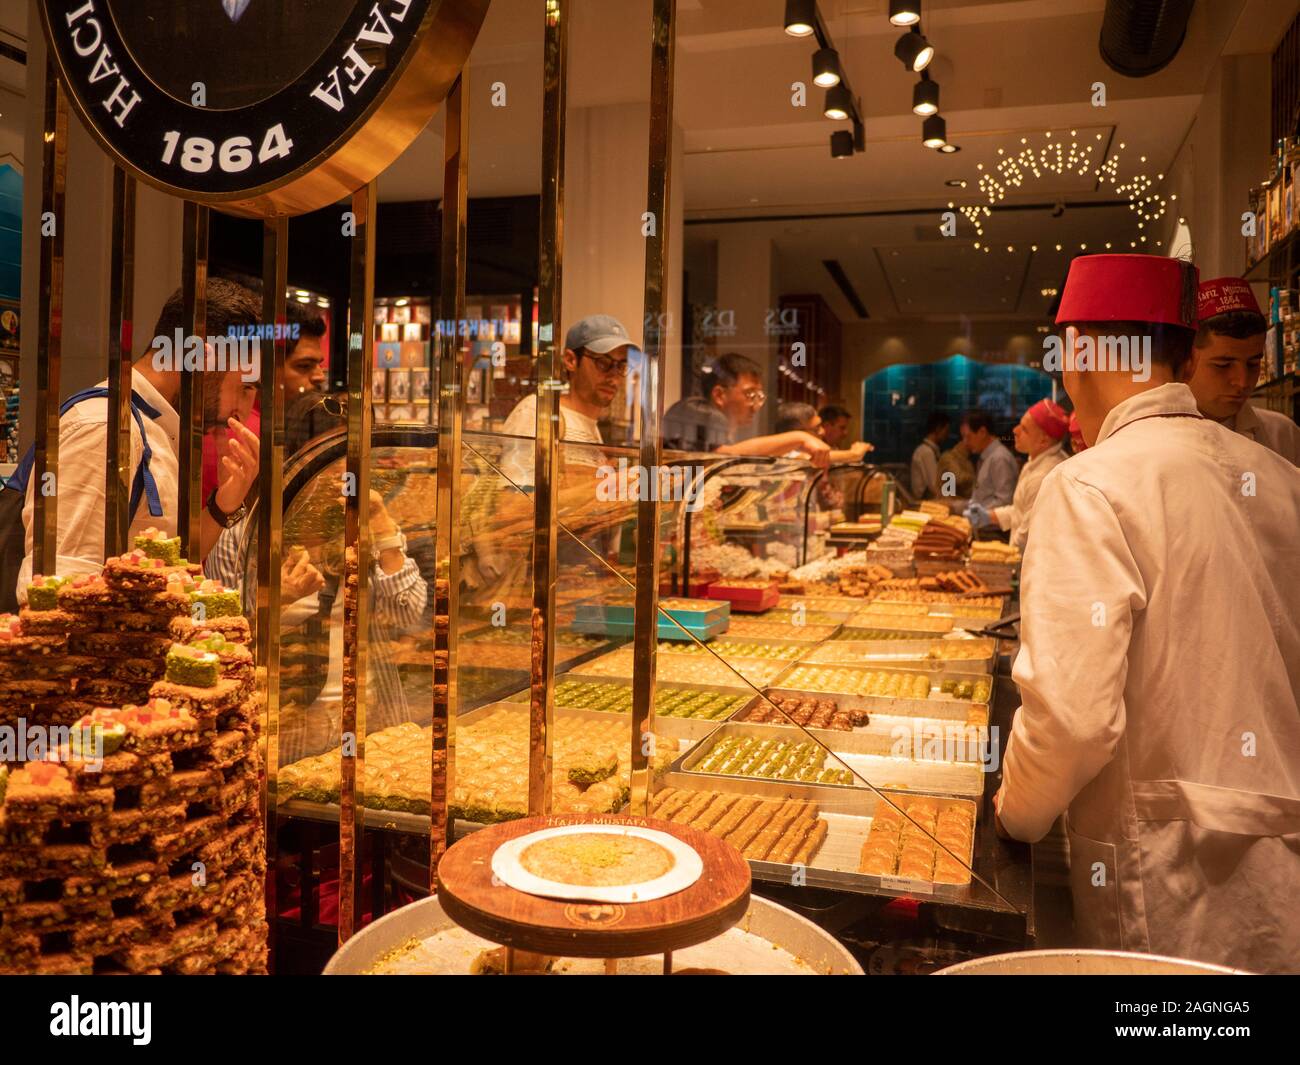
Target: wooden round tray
point(715, 902)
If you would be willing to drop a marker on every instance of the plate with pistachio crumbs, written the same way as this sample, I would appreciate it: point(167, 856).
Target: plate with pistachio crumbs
point(597, 863)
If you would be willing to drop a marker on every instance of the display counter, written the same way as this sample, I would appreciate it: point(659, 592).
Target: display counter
point(843, 744)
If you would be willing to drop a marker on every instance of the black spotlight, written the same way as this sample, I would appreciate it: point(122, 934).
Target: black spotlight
point(934, 132)
point(841, 144)
point(800, 17)
point(826, 67)
point(904, 12)
point(925, 97)
point(839, 103)
point(913, 50)
point(949, 149)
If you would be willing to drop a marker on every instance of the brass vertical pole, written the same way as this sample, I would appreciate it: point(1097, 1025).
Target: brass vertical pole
point(451, 407)
point(356, 608)
point(194, 293)
point(657, 319)
point(121, 300)
point(49, 344)
point(275, 258)
point(549, 371)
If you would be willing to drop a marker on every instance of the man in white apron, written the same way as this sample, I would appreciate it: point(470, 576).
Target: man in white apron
point(1160, 656)
point(1040, 434)
point(1230, 331)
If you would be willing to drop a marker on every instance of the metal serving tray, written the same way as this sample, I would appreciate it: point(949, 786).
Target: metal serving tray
point(882, 771)
point(829, 656)
point(848, 813)
point(883, 731)
point(758, 671)
point(680, 728)
point(936, 678)
point(915, 653)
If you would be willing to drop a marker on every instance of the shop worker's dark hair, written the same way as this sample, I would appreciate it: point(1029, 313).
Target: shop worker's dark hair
point(726, 370)
point(977, 420)
point(1240, 325)
point(229, 305)
point(791, 416)
point(833, 412)
point(937, 420)
point(1171, 345)
point(307, 318)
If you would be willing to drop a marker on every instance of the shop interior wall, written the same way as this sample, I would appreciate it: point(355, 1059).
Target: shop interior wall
point(86, 250)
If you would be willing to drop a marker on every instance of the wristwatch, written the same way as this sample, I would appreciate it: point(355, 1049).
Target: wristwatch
point(223, 519)
point(387, 543)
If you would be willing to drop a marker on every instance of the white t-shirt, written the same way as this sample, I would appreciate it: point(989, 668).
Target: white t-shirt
point(517, 459)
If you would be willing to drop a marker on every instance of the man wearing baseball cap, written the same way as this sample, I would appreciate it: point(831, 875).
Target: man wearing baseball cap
point(595, 364)
point(1230, 333)
point(1040, 434)
point(1159, 666)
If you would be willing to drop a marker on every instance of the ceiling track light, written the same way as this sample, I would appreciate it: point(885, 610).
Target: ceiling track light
point(925, 97)
point(904, 12)
point(934, 132)
point(950, 149)
point(826, 68)
point(839, 103)
point(841, 144)
point(800, 17)
point(913, 50)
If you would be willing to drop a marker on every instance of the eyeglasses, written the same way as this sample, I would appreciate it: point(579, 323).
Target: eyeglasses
point(755, 396)
point(605, 364)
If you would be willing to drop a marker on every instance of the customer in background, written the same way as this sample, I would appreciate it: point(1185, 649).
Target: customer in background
point(803, 417)
point(925, 459)
point(955, 464)
point(595, 367)
point(1040, 434)
point(995, 479)
point(304, 373)
point(1228, 354)
point(731, 394)
point(835, 424)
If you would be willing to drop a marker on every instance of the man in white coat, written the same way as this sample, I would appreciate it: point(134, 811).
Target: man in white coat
point(1230, 334)
point(1040, 434)
point(1160, 657)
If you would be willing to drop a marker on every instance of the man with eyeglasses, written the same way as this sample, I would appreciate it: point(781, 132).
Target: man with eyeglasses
point(595, 364)
point(731, 394)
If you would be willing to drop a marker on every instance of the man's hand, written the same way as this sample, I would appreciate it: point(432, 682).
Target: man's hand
point(978, 516)
point(237, 470)
point(817, 450)
point(298, 577)
point(860, 448)
point(381, 522)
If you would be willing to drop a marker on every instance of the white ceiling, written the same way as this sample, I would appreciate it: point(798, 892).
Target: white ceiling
point(1008, 69)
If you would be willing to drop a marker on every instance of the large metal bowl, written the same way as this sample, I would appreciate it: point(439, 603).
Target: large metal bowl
point(1084, 963)
point(781, 927)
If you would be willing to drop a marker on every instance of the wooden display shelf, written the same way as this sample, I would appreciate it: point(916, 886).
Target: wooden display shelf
point(714, 903)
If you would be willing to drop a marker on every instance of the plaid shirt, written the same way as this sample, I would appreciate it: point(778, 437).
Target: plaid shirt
point(398, 601)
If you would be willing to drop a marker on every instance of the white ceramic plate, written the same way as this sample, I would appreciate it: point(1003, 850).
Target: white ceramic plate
point(687, 867)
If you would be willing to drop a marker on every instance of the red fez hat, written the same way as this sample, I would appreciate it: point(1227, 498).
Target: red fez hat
point(1129, 288)
point(1224, 295)
point(1050, 417)
point(1076, 433)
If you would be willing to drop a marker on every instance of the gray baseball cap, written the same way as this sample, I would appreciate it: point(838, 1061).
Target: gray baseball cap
point(597, 333)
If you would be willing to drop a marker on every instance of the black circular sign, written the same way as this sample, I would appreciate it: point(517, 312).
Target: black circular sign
point(242, 102)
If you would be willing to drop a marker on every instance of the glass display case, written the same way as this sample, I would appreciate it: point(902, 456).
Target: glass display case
point(839, 743)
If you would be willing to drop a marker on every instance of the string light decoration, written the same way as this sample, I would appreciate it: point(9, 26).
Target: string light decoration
point(1060, 158)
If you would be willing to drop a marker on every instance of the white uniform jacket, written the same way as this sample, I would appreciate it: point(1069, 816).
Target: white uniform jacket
point(1015, 518)
point(1271, 428)
point(1159, 669)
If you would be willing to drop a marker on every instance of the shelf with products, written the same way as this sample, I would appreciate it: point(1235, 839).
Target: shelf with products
point(405, 334)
